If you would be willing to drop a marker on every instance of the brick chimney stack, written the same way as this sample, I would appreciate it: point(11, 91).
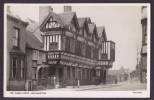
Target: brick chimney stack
point(67, 8)
point(8, 10)
point(44, 11)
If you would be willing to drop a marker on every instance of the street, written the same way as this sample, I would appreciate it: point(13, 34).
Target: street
point(121, 86)
point(125, 86)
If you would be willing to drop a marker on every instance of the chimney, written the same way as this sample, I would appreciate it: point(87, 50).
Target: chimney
point(67, 8)
point(44, 11)
point(8, 10)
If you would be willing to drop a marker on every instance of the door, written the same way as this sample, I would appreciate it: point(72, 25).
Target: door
point(61, 77)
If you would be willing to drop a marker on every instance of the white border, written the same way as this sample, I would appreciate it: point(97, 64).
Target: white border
point(83, 94)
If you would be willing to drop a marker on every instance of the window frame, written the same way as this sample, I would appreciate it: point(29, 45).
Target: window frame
point(17, 38)
point(18, 76)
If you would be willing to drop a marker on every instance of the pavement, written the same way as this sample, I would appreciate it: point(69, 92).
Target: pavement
point(121, 86)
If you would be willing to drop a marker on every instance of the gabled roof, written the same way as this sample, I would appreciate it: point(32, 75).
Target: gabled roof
point(56, 16)
point(91, 27)
point(67, 18)
point(30, 21)
point(33, 27)
point(88, 19)
point(81, 21)
point(101, 32)
point(16, 18)
point(64, 19)
point(32, 41)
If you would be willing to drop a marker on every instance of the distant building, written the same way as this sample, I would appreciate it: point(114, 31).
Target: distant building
point(121, 75)
point(143, 67)
point(134, 75)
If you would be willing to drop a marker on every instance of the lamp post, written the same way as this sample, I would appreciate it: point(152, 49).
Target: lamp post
point(78, 82)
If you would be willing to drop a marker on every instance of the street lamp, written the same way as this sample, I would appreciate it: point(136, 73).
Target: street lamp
point(78, 82)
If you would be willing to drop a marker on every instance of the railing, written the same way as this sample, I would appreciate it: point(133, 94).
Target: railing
point(104, 63)
point(65, 58)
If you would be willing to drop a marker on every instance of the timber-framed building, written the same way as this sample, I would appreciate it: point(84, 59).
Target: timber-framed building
point(77, 50)
point(62, 50)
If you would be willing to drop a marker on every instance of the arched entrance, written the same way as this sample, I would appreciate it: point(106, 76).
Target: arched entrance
point(42, 72)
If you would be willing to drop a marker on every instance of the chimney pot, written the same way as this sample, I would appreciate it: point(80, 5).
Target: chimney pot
point(8, 9)
point(67, 8)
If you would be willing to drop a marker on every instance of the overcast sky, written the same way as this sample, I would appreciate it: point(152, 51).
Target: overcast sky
point(122, 23)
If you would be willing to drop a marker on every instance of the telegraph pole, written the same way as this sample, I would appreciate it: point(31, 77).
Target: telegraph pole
point(137, 56)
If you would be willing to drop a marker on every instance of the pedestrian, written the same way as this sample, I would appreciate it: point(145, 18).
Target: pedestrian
point(74, 83)
point(115, 81)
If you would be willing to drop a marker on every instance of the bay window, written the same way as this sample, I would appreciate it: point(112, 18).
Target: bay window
point(17, 67)
point(14, 67)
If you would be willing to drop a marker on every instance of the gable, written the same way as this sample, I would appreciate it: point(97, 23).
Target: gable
point(51, 23)
point(102, 33)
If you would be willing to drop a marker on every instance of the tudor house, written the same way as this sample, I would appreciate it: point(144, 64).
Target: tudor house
point(77, 51)
point(61, 50)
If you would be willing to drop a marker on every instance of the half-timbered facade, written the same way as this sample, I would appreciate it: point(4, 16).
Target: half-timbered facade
point(63, 50)
point(76, 53)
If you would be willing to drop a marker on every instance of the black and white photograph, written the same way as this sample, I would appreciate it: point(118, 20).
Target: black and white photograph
point(77, 50)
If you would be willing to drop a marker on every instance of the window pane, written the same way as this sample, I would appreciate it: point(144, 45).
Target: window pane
point(15, 37)
point(53, 46)
point(16, 33)
point(22, 68)
point(15, 42)
point(14, 67)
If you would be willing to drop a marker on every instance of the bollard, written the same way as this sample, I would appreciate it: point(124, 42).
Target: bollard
point(78, 83)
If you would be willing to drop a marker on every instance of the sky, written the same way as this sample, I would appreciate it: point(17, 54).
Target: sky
point(122, 25)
